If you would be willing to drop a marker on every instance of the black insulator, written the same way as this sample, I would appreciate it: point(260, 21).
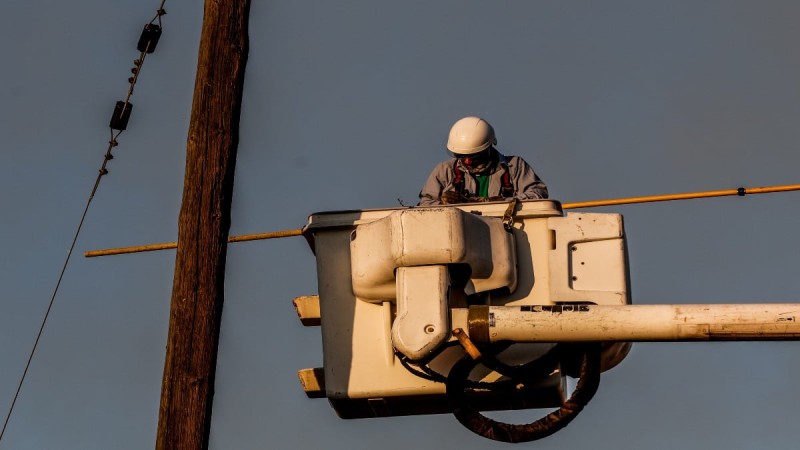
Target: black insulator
point(131, 80)
point(103, 172)
point(134, 70)
point(137, 62)
point(741, 192)
point(122, 112)
point(149, 38)
point(162, 12)
point(113, 143)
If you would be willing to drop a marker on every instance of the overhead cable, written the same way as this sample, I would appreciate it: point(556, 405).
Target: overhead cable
point(118, 124)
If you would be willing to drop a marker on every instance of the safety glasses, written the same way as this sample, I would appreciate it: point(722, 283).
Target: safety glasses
point(474, 159)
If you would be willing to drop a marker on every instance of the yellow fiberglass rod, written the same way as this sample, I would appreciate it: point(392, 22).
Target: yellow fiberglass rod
point(168, 245)
point(618, 201)
point(667, 197)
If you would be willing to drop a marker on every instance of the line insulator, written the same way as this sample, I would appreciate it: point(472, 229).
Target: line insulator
point(149, 38)
point(741, 192)
point(122, 112)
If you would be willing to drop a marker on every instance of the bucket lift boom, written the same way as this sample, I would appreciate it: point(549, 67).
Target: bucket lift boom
point(407, 294)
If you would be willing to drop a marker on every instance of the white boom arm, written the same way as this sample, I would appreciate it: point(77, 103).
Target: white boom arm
point(632, 323)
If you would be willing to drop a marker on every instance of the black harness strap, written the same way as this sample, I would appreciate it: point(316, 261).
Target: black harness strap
point(506, 189)
point(458, 181)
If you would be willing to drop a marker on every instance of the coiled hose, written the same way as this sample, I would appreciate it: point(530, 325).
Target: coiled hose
point(458, 385)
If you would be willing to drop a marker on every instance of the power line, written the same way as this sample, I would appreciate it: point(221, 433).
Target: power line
point(118, 124)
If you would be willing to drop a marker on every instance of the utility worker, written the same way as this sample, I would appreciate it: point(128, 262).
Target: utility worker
point(478, 172)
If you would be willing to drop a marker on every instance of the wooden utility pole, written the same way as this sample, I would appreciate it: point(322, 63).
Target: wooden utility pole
point(187, 391)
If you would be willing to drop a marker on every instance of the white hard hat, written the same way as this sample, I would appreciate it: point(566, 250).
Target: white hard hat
point(470, 135)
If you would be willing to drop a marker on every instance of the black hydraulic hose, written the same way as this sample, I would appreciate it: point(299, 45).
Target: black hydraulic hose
point(479, 424)
point(530, 372)
point(536, 370)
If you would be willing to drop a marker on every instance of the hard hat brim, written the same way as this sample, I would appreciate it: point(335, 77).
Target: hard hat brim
point(467, 151)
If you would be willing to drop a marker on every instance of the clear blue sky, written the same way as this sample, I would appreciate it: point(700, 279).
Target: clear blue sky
point(347, 105)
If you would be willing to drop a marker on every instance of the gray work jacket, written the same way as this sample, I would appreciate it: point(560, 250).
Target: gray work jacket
point(526, 183)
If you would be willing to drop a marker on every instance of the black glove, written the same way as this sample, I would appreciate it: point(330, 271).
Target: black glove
point(451, 197)
point(483, 199)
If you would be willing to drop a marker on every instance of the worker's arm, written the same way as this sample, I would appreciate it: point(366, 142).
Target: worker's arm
point(438, 182)
point(528, 184)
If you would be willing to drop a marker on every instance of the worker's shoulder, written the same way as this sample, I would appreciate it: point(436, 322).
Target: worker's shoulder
point(512, 160)
point(444, 166)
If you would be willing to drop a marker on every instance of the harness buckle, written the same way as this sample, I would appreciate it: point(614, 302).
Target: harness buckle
point(508, 216)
